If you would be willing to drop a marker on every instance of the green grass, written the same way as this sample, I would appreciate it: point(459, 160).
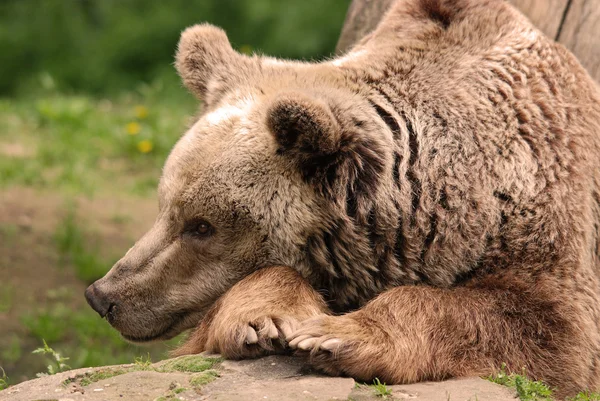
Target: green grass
point(57, 362)
point(143, 363)
point(81, 334)
point(11, 350)
point(200, 365)
point(4, 382)
point(586, 396)
point(6, 299)
point(527, 389)
point(102, 374)
point(201, 379)
point(81, 144)
point(190, 364)
point(531, 390)
point(380, 389)
point(74, 250)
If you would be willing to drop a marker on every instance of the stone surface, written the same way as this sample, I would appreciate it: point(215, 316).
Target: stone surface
point(280, 378)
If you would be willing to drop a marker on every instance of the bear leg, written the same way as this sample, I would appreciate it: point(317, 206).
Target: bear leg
point(417, 333)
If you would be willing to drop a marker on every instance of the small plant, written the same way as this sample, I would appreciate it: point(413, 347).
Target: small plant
point(3, 379)
point(380, 389)
point(190, 363)
point(200, 379)
point(142, 363)
point(98, 375)
point(585, 396)
point(527, 389)
point(57, 364)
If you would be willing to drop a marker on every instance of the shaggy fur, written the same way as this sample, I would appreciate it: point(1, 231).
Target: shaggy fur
point(439, 186)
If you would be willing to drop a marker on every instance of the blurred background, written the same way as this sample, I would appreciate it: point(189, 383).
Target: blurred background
point(90, 106)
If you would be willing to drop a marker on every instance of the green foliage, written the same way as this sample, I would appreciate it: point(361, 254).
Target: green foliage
point(48, 323)
point(89, 340)
point(73, 249)
point(106, 45)
point(78, 144)
point(530, 390)
point(380, 389)
point(11, 350)
point(3, 380)
point(6, 299)
point(57, 362)
point(527, 389)
point(101, 374)
point(142, 363)
point(585, 396)
point(187, 364)
point(190, 363)
point(201, 379)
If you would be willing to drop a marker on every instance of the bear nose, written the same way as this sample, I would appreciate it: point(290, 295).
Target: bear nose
point(98, 300)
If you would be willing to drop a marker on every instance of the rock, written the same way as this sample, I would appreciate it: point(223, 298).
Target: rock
point(469, 389)
point(206, 377)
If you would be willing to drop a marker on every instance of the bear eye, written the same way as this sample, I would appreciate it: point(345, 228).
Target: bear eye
point(198, 228)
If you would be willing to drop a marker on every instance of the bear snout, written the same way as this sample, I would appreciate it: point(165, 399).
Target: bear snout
point(98, 300)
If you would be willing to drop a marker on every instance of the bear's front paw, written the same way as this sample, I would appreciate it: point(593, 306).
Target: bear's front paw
point(344, 346)
point(251, 338)
point(256, 315)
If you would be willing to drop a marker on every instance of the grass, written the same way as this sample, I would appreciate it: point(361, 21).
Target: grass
point(586, 396)
point(82, 335)
point(532, 390)
point(202, 366)
point(11, 350)
point(380, 389)
point(3, 380)
point(201, 379)
point(57, 362)
point(81, 144)
point(527, 389)
point(76, 251)
point(102, 374)
point(190, 364)
point(143, 363)
point(6, 299)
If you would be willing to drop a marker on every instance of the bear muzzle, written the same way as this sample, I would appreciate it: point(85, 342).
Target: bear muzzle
point(99, 301)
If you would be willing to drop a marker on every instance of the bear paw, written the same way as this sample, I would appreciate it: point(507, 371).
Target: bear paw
point(342, 346)
point(253, 338)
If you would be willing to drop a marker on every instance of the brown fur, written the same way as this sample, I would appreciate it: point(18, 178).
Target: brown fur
point(439, 184)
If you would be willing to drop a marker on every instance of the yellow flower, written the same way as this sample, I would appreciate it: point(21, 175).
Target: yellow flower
point(145, 146)
point(133, 128)
point(141, 112)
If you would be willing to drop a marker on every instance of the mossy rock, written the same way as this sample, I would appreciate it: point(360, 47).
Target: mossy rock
point(189, 364)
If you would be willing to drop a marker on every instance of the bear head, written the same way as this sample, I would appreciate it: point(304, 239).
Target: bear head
point(268, 163)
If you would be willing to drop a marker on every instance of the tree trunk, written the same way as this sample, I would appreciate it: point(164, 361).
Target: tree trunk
point(574, 23)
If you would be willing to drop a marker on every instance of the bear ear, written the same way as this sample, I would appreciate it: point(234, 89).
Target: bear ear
point(304, 127)
point(205, 57)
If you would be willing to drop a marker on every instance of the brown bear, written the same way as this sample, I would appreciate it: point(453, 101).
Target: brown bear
point(426, 206)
